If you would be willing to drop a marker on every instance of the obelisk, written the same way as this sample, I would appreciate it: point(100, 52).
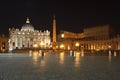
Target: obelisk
point(54, 32)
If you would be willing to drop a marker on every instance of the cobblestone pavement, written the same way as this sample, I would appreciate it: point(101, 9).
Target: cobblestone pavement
point(58, 67)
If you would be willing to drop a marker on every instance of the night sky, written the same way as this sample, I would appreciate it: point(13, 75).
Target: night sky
point(70, 15)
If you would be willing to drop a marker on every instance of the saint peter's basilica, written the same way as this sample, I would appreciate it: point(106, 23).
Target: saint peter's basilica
point(28, 37)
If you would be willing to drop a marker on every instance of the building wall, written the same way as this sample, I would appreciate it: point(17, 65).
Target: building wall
point(3, 43)
point(95, 38)
point(99, 32)
point(113, 44)
point(29, 39)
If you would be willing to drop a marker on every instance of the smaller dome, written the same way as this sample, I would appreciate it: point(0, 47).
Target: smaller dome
point(27, 26)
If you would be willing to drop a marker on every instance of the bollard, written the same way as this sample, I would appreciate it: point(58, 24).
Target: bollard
point(115, 53)
point(110, 53)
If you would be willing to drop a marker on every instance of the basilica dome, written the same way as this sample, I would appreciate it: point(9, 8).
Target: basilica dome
point(27, 26)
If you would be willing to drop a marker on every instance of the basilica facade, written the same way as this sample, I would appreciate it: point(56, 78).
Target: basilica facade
point(28, 37)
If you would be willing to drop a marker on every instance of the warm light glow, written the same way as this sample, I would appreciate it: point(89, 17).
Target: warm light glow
point(109, 46)
point(68, 47)
point(56, 47)
point(18, 32)
point(92, 47)
point(2, 49)
point(35, 56)
point(77, 44)
point(97, 49)
point(62, 57)
point(35, 45)
point(62, 35)
point(50, 46)
point(27, 37)
point(77, 59)
point(82, 52)
point(27, 21)
point(61, 46)
point(41, 43)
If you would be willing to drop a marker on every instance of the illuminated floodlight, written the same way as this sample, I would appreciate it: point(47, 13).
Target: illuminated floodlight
point(77, 44)
point(62, 35)
point(35, 45)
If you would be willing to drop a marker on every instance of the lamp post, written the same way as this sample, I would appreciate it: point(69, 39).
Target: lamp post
point(62, 35)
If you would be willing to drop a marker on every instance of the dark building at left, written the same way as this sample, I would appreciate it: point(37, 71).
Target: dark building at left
point(3, 43)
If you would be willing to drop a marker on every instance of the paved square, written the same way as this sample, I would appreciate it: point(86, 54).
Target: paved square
point(58, 67)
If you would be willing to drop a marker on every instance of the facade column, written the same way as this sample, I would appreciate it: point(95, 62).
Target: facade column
point(20, 42)
point(16, 42)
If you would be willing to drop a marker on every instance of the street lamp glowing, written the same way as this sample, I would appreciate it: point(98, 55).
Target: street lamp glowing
point(35, 45)
point(109, 46)
point(42, 43)
point(62, 35)
point(62, 46)
point(77, 44)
